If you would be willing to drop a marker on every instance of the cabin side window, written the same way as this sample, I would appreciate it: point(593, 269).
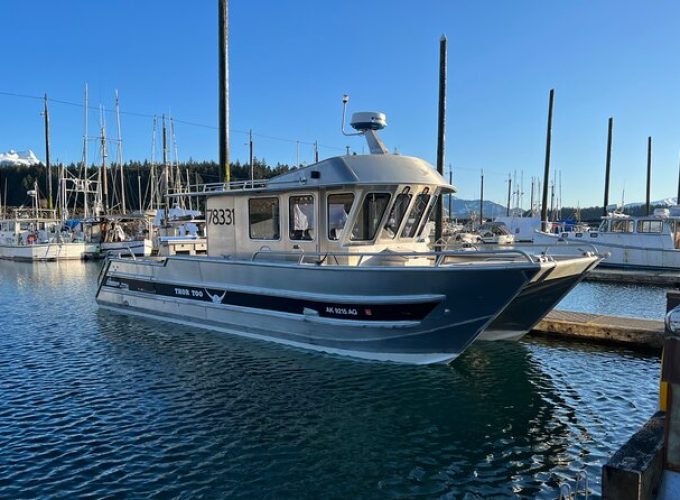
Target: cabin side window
point(622, 226)
point(370, 216)
point(301, 218)
point(416, 215)
point(428, 214)
point(397, 213)
point(263, 218)
point(339, 206)
point(649, 226)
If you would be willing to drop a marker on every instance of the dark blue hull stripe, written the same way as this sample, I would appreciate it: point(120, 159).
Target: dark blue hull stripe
point(406, 311)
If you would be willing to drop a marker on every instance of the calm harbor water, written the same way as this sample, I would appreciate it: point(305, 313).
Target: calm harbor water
point(98, 404)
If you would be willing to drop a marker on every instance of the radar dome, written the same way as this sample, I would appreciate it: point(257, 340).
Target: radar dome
point(368, 120)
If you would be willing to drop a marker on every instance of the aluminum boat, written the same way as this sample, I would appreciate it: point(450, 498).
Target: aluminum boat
point(330, 257)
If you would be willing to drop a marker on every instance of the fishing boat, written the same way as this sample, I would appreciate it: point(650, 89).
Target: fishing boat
point(126, 233)
point(636, 242)
point(36, 234)
point(329, 257)
point(333, 257)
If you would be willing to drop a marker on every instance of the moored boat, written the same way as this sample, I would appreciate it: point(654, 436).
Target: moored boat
point(643, 242)
point(329, 257)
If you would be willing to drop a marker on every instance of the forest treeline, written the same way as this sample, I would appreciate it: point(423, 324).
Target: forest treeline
point(16, 181)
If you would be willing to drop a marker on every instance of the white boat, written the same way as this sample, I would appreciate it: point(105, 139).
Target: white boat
point(523, 228)
point(182, 233)
point(37, 239)
point(125, 234)
point(35, 234)
point(649, 242)
point(329, 257)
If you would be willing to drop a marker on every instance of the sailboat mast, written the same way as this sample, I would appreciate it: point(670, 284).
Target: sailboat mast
point(103, 168)
point(48, 170)
point(166, 171)
point(83, 177)
point(120, 158)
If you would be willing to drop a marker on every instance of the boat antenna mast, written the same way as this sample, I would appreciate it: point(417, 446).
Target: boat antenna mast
point(366, 123)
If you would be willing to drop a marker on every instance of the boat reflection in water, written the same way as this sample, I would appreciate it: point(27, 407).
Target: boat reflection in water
point(506, 418)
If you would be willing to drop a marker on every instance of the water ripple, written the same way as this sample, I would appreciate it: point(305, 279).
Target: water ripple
point(102, 405)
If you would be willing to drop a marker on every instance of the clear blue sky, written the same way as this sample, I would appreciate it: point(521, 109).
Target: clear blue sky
point(291, 61)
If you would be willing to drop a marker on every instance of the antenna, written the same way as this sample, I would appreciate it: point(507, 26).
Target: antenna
point(366, 123)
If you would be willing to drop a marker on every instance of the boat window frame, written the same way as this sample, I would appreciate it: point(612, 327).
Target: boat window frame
point(384, 234)
point(314, 230)
point(379, 224)
point(250, 224)
point(428, 214)
point(417, 222)
point(639, 227)
point(348, 215)
point(629, 226)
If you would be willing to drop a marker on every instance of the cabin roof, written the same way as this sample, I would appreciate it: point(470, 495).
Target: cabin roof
point(354, 170)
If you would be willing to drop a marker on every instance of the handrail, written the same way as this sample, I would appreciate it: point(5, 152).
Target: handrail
point(438, 257)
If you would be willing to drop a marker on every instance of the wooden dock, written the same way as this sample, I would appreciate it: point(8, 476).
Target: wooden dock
point(636, 276)
point(630, 332)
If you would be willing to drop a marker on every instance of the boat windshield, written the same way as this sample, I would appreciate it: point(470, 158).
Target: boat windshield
point(369, 217)
point(397, 214)
point(415, 216)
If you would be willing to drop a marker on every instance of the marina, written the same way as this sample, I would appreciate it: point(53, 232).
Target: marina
point(183, 318)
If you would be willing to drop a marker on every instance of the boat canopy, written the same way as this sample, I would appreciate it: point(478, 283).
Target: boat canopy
point(353, 170)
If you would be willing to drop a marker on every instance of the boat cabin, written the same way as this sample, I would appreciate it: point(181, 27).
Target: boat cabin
point(662, 223)
point(26, 228)
point(352, 204)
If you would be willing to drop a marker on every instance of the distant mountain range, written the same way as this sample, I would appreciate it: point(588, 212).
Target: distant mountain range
point(14, 158)
point(463, 209)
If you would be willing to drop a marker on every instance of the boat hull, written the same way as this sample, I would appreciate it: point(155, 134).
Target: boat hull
point(44, 251)
point(413, 315)
point(538, 298)
point(138, 248)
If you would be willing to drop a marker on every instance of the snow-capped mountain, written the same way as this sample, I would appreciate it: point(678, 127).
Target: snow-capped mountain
point(666, 202)
point(18, 158)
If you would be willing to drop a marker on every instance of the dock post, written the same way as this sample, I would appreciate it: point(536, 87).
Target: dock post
point(608, 167)
point(648, 207)
point(223, 70)
point(441, 133)
point(507, 209)
point(546, 171)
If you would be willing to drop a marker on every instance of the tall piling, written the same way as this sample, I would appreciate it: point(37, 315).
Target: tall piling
point(546, 171)
point(648, 207)
point(223, 70)
point(608, 166)
point(441, 132)
point(507, 208)
point(481, 200)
